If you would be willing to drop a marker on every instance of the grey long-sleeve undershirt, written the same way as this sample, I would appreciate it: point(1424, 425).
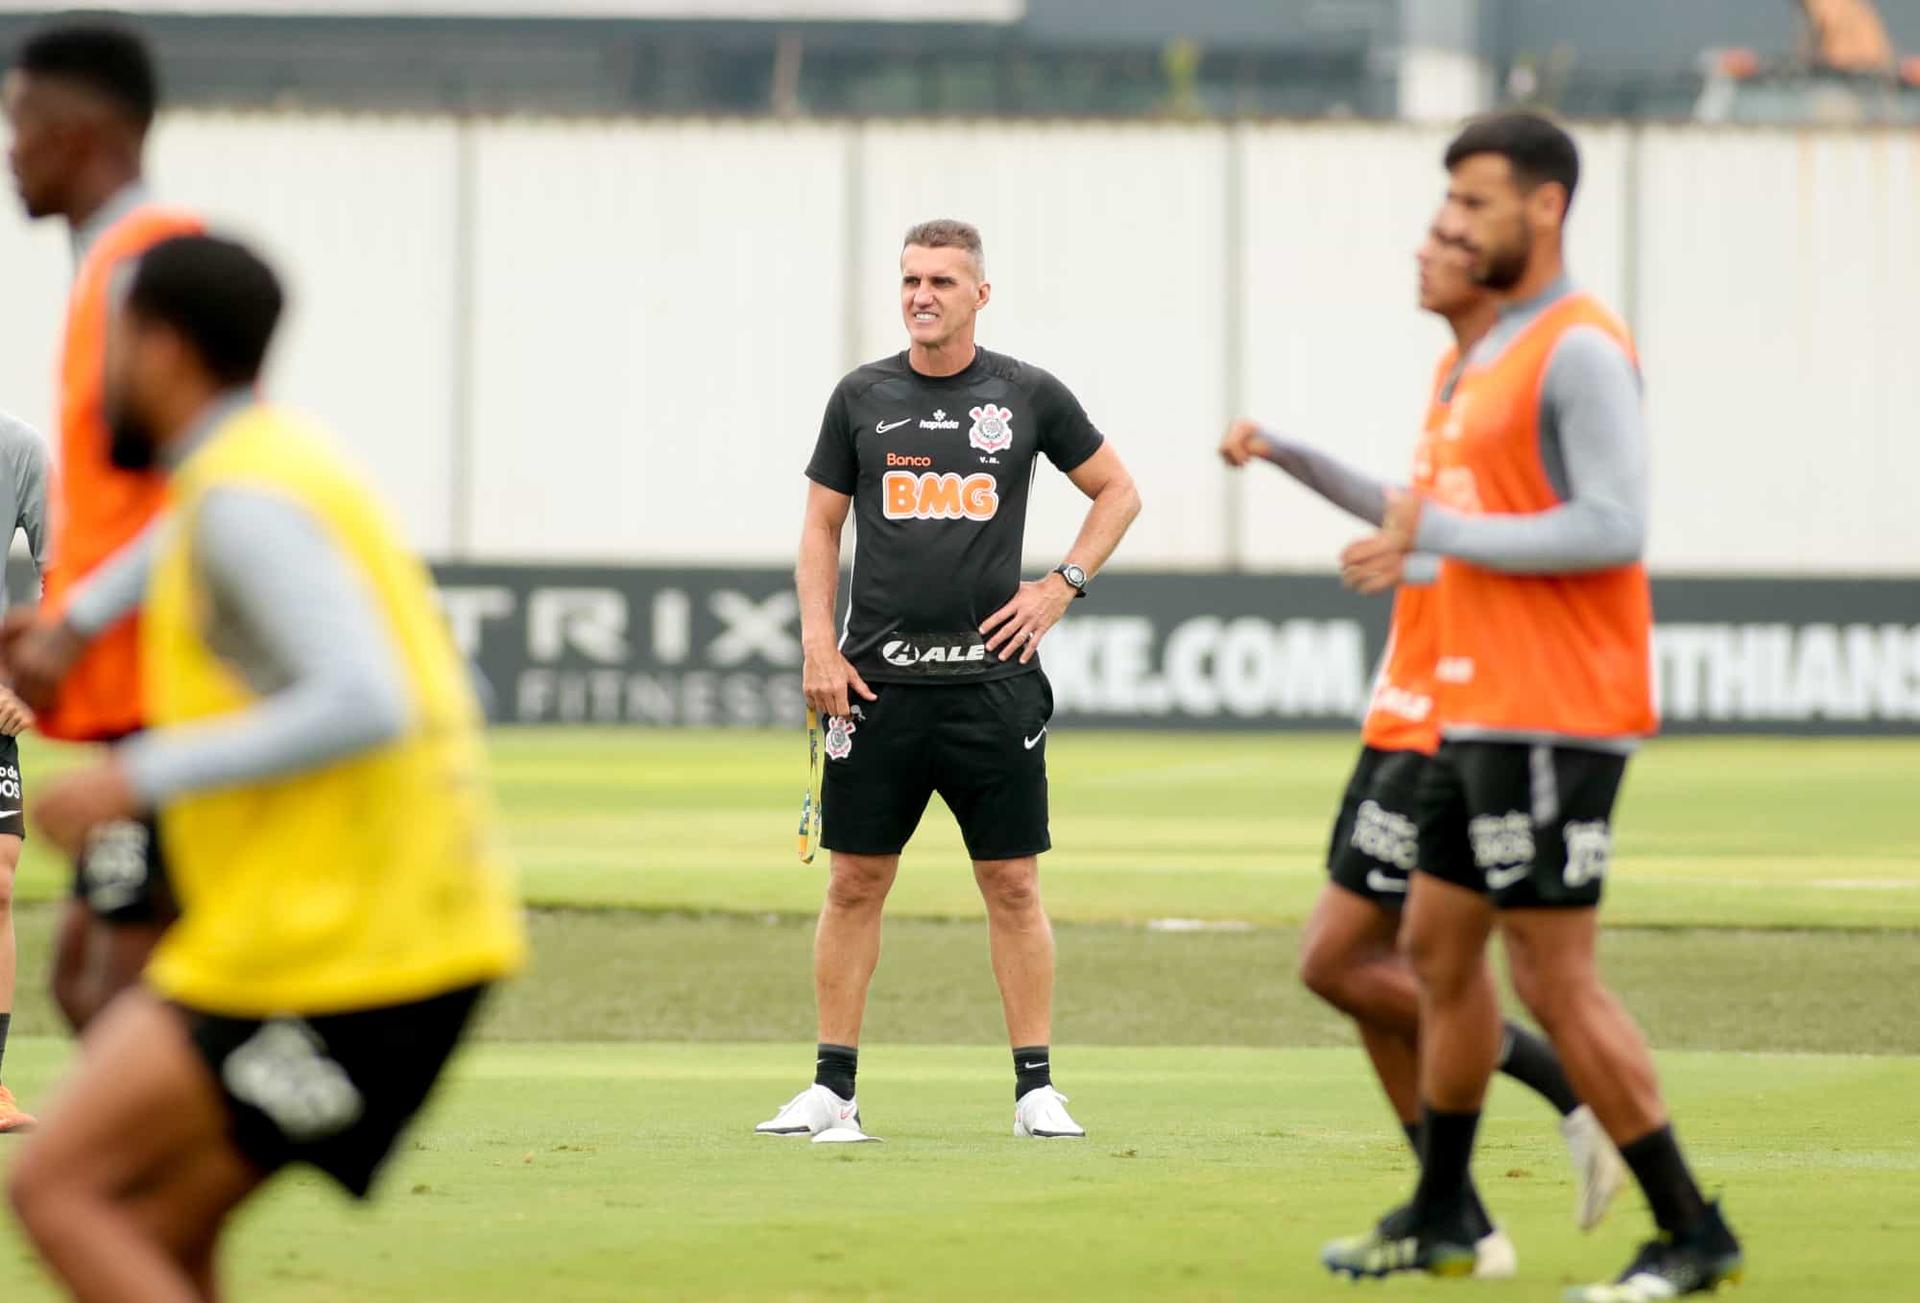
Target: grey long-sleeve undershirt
point(115, 589)
point(1593, 443)
point(23, 489)
point(292, 618)
point(1353, 491)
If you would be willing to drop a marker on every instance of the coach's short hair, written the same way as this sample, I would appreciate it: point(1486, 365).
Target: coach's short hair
point(1539, 149)
point(109, 59)
point(950, 233)
point(218, 295)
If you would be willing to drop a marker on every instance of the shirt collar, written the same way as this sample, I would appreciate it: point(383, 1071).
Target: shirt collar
point(127, 198)
point(223, 408)
point(1561, 287)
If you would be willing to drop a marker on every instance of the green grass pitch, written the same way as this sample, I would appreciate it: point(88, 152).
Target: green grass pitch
point(596, 1144)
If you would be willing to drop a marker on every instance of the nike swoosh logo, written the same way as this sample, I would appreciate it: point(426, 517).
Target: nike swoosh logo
point(1029, 1067)
point(1381, 882)
point(846, 1113)
point(882, 429)
point(1034, 741)
point(1501, 879)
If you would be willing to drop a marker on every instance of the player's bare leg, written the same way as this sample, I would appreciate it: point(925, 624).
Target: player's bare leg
point(12, 1117)
point(1555, 973)
point(1021, 939)
point(70, 954)
point(846, 944)
point(94, 961)
point(126, 1187)
point(1349, 957)
point(1445, 937)
point(846, 950)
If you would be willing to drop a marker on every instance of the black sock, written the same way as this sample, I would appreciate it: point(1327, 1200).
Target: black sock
point(1445, 1192)
point(1530, 1060)
point(1482, 1220)
point(6, 1021)
point(834, 1068)
point(1032, 1069)
point(1678, 1206)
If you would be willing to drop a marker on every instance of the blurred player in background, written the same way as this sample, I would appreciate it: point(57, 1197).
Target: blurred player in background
point(1350, 954)
point(1543, 688)
point(932, 685)
point(315, 745)
point(80, 99)
point(23, 509)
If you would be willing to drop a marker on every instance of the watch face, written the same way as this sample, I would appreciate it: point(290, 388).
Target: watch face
point(1076, 576)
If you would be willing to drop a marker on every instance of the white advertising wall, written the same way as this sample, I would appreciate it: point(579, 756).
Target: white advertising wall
point(611, 341)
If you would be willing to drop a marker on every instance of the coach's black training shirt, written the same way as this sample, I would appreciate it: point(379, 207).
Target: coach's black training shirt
point(939, 469)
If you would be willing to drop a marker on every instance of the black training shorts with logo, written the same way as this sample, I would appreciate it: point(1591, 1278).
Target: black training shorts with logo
point(981, 745)
point(13, 794)
point(1531, 824)
point(333, 1091)
point(1375, 841)
point(122, 874)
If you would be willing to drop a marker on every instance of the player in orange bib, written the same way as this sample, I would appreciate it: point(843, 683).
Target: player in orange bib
point(1537, 505)
point(80, 98)
point(1350, 954)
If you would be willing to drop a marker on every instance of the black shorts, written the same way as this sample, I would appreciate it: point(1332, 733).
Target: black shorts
point(13, 792)
point(1529, 824)
point(982, 746)
point(122, 875)
point(1374, 838)
point(333, 1091)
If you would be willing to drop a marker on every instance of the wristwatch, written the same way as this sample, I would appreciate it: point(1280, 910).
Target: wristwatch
point(1076, 578)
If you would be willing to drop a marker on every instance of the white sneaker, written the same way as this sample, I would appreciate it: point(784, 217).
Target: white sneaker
point(1599, 1173)
point(1494, 1257)
point(1041, 1114)
point(812, 1111)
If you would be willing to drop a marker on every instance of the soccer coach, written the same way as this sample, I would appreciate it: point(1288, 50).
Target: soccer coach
point(932, 685)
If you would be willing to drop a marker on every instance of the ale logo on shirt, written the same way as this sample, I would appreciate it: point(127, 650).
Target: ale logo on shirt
point(950, 496)
point(992, 429)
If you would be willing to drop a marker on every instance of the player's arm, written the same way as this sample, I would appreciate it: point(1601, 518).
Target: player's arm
point(311, 630)
point(41, 652)
point(1353, 491)
point(1590, 400)
point(1019, 626)
point(833, 473)
point(31, 493)
point(27, 460)
point(826, 677)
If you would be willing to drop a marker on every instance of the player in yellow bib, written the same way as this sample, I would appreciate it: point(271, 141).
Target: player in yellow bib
point(316, 761)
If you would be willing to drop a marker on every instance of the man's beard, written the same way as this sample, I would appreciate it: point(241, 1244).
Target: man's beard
point(1506, 266)
point(133, 447)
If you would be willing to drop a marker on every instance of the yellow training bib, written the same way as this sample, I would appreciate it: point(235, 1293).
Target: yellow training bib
point(372, 881)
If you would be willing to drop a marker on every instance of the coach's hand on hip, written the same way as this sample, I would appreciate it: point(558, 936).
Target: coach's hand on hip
point(16, 716)
point(826, 679)
point(1022, 623)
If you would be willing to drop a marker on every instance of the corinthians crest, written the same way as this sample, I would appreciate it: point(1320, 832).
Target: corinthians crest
point(992, 429)
point(840, 732)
